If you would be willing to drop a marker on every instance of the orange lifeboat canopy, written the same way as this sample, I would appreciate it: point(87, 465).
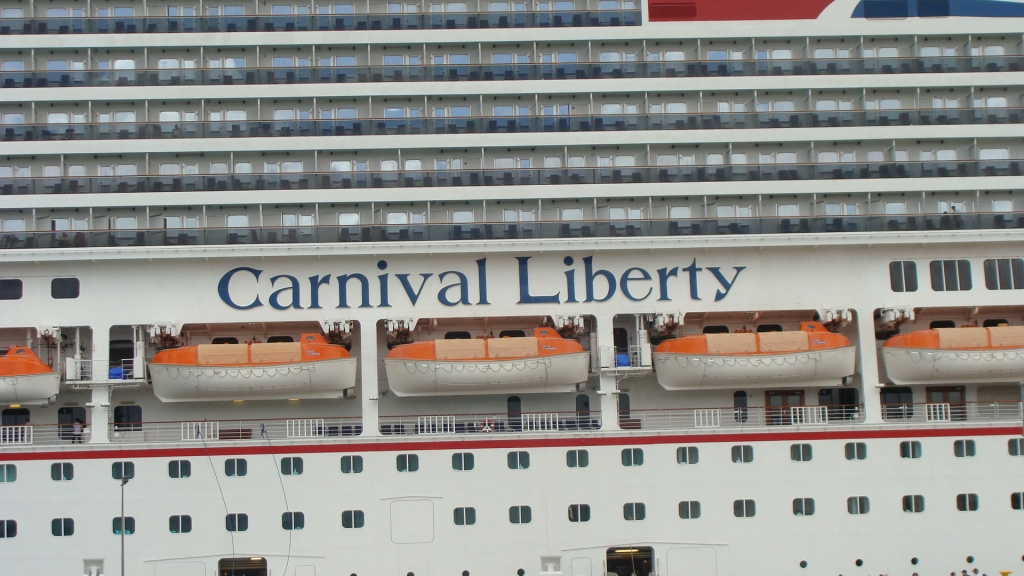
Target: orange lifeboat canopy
point(810, 336)
point(24, 378)
point(22, 361)
point(544, 342)
point(310, 347)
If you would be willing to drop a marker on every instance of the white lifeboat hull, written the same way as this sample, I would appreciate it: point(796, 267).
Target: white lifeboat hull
point(320, 379)
point(512, 376)
point(703, 371)
point(29, 388)
point(922, 366)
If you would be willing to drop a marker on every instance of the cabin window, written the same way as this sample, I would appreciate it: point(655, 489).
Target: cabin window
point(62, 471)
point(462, 461)
point(633, 457)
point(11, 289)
point(236, 467)
point(858, 505)
point(121, 470)
point(64, 288)
point(62, 526)
point(1004, 274)
point(964, 448)
point(769, 328)
point(278, 339)
point(742, 454)
point(293, 520)
point(897, 402)
point(518, 460)
point(913, 503)
point(910, 449)
point(224, 340)
point(520, 514)
point(967, 502)
point(739, 403)
point(458, 335)
point(689, 510)
point(291, 466)
point(715, 330)
point(743, 508)
point(803, 507)
point(511, 334)
point(8, 528)
point(903, 276)
point(950, 275)
point(579, 513)
point(634, 511)
point(128, 417)
point(129, 525)
point(856, 451)
point(1015, 446)
point(577, 458)
point(407, 462)
point(465, 516)
point(180, 524)
point(179, 468)
point(15, 416)
point(8, 473)
point(236, 522)
point(353, 519)
point(351, 464)
point(687, 455)
point(800, 452)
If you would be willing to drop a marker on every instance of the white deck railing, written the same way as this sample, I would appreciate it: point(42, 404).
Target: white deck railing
point(15, 435)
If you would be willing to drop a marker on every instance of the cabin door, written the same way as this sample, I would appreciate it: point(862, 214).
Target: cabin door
point(952, 395)
point(778, 403)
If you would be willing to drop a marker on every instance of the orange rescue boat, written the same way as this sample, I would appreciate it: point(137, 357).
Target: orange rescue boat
point(24, 378)
point(956, 355)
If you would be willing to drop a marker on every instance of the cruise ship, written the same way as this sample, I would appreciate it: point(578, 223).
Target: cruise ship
point(511, 287)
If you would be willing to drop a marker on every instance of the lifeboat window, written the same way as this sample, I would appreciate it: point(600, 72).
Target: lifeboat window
point(465, 516)
point(14, 416)
point(687, 455)
point(800, 452)
point(276, 339)
point(1015, 447)
point(458, 335)
point(8, 473)
point(577, 458)
point(463, 461)
point(64, 288)
point(351, 464)
point(689, 510)
point(1016, 501)
point(942, 324)
point(903, 276)
point(179, 469)
point(122, 470)
point(744, 508)
point(967, 502)
point(769, 328)
point(739, 403)
point(742, 454)
point(856, 451)
point(634, 511)
point(950, 275)
point(964, 449)
point(128, 417)
point(62, 471)
point(129, 525)
point(633, 457)
point(511, 334)
point(293, 520)
point(633, 560)
point(897, 402)
point(242, 567)
point(518, 460)
point(716, 330)
point(353, 519)
point(1004, 274)
point(62, 526)
point(291, 466)
point(236, 467)
point(579, 513)
point(913, 503)
point(181, 524)
point(225, 340)
point(8, 528)
point(520, 514)
point(236, 522)
point(994, 323)
point(407, 462)
point(803, 507)
point(11, 289)
point(910, 449)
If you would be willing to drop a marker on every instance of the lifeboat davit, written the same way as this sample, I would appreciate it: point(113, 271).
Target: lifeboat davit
point(811, 356)
point(544, 362)
point(24, 378)
point(310, 368)
point(956, 355)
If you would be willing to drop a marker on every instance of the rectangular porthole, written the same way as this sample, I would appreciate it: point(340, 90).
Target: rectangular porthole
point(351, 464)
point(11, 289)
point(129, 525)
point(803, 506)
point(8, 528)
point(236, 522)
point(967, 502)
point(910, 449)
point(181, 524)
point(119, 470)
point(800, 452)
point(858, 505)
point(293, 520)
point(742, 454)
point(352, 519)
point(407, 462)
point(465, 516)
point(519, 460)
point(634, 511)
point(179, 468)
point(913, 503)
point(633, 457)
point(577, 458)
point(964, 448)
point(1014, 446)
point(520, 515)
point(236, 467)
point(64, 288)
point(950, 275)
point(1004, 274)
point(291, 466)
point(743, 508)
point(579, 513)
point(62, 471)
point(687, 455)
point(856, 451)
point(62, 526)
point(689, 510)
point(463, 461)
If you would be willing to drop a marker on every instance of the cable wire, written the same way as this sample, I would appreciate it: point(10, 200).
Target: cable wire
point(202, 437)
point(284, 493)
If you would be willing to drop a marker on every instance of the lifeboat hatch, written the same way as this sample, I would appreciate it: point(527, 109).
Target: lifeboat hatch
point(630, 561)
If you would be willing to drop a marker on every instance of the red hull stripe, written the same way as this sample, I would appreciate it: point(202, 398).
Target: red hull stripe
point(475, 443)
point(704, 10)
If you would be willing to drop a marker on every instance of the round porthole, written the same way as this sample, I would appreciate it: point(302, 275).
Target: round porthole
point(521, 572)
point(859, 562)
point(970, 559)
point(803, 563)
point(914, 561)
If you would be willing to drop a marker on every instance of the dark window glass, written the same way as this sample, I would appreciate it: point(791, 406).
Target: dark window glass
point(964, 448)
point(950, 275)
point(856, 450)
point(769, 328)
point(800, 452)
point(634, 511)
point(275, 339)
point(1015, 446)
point(689, 510)
point(739, 403)
point(224, 340)
point(11, 289)
point(633, 457)
point(910, 449)
point(1004, 274)
point(903, 276)
point(351, 464)
point(520, 514)
point(119, 470)
point(15, 416)
point(897, 402)
point(967, 502)
point(858, 505)
point(8, 473)
point(1017, 500)
point(463, 461)
point(742, 454)
point(511, 334)
point(8, 528)
point(886, 9)
point(236, 467)
point(460, 335)
point(715, 330)
point(179, 468)
point(743, 508)
point(128, 417)
point(237, 522)
point(293, 521)
point(577, 458)
point(62, 471)
point(407, 462)
point(465, 516)
point(352, 519)
point(518, 460)
point(579, 513)
point(291, 466)
point(913, 503)
point(64, 288)
point(129, 525)
point(687, 455)
point(803, 507)
point(180, 524)
point(62, 526)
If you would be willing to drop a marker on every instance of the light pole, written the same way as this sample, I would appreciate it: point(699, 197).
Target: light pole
point(124, 480)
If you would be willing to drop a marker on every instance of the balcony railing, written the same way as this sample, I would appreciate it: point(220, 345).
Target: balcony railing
point(752, 417)
point(505, 125)
point(498, 423)
point(277, 430)
point(994, 411)
point(490, 72)
point(508, 231)
point(509, 177)
point(319, 22)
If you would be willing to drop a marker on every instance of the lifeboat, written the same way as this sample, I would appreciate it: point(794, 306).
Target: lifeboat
point(956, 355)
point(544, 362)
point(24, 378)
point(310, 368)
point(811, 356)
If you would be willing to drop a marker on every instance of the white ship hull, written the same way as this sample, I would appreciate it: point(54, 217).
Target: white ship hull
point(702, 371)
point(321, 379)
point(528, 375)
point(910, 366)
point(29, 389)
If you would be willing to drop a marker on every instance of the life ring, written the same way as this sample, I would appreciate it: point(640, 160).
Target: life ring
point(487, 425)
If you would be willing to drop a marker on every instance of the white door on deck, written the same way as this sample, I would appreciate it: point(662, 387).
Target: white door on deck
point(581, 567)
point(696, 561)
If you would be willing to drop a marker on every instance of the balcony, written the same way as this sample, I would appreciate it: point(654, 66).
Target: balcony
point(732, 418)
point(506, 125)
point(933, 413)
point(538, 230)
point(490, 72)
